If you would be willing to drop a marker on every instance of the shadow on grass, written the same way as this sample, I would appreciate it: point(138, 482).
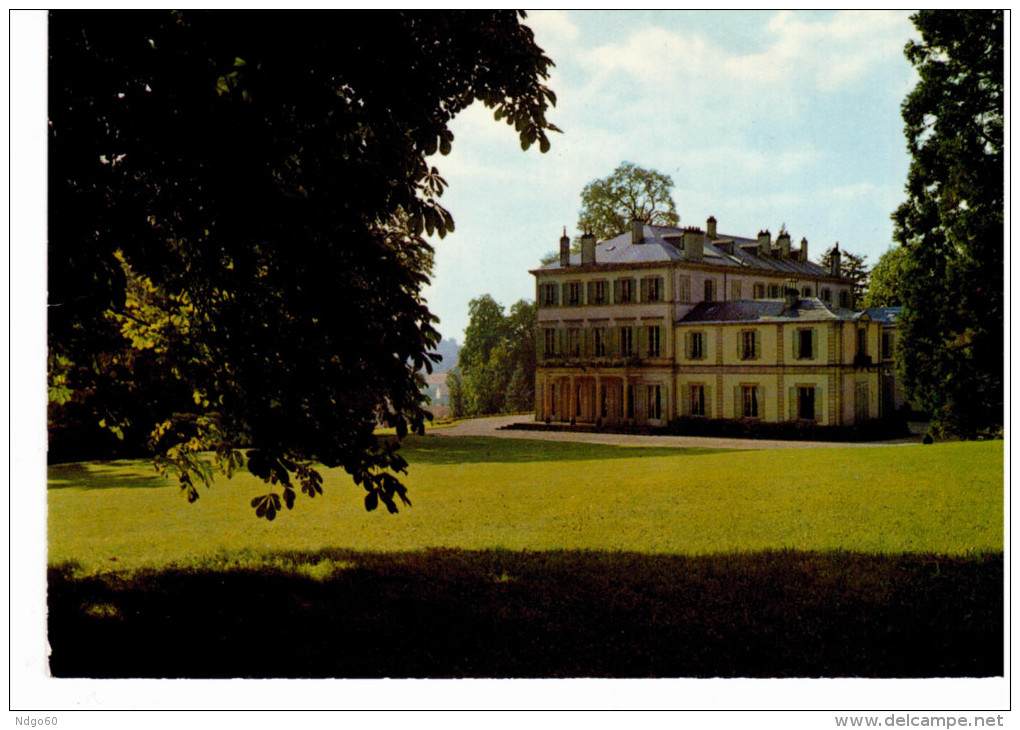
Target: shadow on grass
point(497, 613)
point(476, 450)
point(123, 473)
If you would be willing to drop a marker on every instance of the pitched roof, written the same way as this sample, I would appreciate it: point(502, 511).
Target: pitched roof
point(767, 310)
point(661, 245)
point(888, 316)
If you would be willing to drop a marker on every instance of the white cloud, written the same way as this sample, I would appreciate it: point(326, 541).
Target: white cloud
point(552, 25)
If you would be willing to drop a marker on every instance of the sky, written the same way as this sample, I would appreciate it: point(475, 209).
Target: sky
point(761, 118)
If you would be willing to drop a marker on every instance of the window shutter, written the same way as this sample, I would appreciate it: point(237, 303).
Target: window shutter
point(794, 406)
point(684, 396)
point(796, 344)
point(687, 345)
point(738, 407)
point(561, 344)
point(708, 401)
point(813, 339)
point(757, 345)
point(565, 293)
point(740, 345)
point(591, 292)
point(644, 290)
point(640, 349)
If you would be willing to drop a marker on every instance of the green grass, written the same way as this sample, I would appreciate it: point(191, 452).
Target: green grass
point(477, 494)
point(543, 559)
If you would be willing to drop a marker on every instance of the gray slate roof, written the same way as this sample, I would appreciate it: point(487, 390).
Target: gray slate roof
point(888, 316)
point(809, 309)
point(659, 246)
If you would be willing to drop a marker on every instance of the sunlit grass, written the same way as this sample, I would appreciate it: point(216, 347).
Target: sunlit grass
point(478, 494)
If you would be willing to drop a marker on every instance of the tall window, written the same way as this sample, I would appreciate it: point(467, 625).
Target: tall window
point(773, 291)
point(805, 344)
point(549, 295)
point(574, 342)
point(599, 341)
point(574, 293)
point(685, 288)
point(696, 346)
point(736, 291)
point(598, 292)
point(862, 342)
point(758, 291)
point(749, 401)
point(653, 341)
point(748, 344)
point(697, 400)
point(805, 292)
point(651, 289)
point(844, 299)
point(887, 345)
point(626, 341)
point(550, 342)
point(624, 291)
point(655, 401)
point(806, 403)
point(709, 290)
point(827, 296)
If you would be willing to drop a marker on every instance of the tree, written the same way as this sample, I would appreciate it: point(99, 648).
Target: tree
point(496, 369)
point(237, 211)
point(951, 345)
point(609, 204)
point(852, 268)
point(885, 283)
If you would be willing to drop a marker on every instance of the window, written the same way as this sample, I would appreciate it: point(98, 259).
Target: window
point(574, 293)
point(624, 291)
point(655, 401)
point(599, 341)
point(758, 291)
point(805, 292)
point(549, 295)
point(887, 345)
point(574, 342)
point(748, 345)
point(709, 290)
point(749, 401)
point(806, 403)
point(736, 291)
point(685, 288)
point(774, 291)
point(626, 341)
point(604, 410)
point(653, 341)
point(598, 292)
point(651, 289)
point(630, 401)
point(805, 344)
point(696, 346)
point(827, 296)
point(697, 400)
point(862, 342)
point(550, 342)
point(844, 299)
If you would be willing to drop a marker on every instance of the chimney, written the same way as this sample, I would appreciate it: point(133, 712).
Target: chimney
point(710, 228)
point(784, 245)
point(835, 261)
point(803, 249)
point(765, 243)
point(587, 248)
point(694, 243)
point(637, 231)
point(565, 249)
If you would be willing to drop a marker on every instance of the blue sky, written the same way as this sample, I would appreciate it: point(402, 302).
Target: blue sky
point(760, 118)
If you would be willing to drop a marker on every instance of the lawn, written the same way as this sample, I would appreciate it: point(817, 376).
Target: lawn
point(534, 558)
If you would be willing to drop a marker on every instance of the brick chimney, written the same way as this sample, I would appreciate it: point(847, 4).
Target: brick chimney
point(835, 261)
point(783, 242)
point(694, 243)
point(565, 249)
point(710, 228)
point(637, 231)
point(587, 248)
point(765, 243)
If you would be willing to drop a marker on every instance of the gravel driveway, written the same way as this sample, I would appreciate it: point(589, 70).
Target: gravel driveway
point(491, 426)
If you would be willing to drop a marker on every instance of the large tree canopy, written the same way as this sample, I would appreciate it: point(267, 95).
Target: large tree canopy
point(951, 225)
point(609, 204)
point(237, 205)
point(885, 283)
point(496, 368)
